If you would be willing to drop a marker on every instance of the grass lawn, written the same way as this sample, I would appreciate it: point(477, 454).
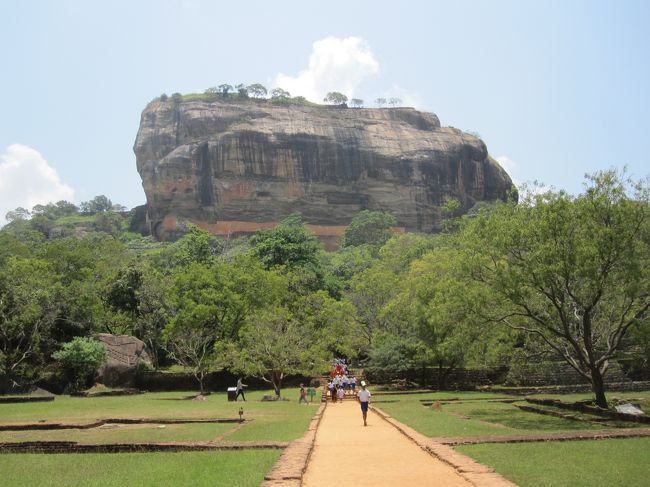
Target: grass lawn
point(470, 416)
point(641, 397)
point(125, 433)
point(280, 420)
point(617, 462)
point(613, 462)
point(232, 468)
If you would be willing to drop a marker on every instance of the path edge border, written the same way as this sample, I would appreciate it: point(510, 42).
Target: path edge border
point(474, 472)
point(290, 467)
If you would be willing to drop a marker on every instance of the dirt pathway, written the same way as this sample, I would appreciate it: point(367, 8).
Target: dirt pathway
point(348, 454)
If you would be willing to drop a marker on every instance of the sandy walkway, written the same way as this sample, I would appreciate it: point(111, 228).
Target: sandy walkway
point(348, 454)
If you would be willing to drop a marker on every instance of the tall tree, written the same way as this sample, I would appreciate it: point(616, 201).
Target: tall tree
point(289, 244)
point(394, 101)
point(27, 312)
point(256, 90)
point(212, 302)
point(18, 214)
point(368, 227)
point(573, 272)
point(242, 90)
point(98, 204)
point(335, 98)
point(224, 89)
point(333, 322)
point(435, 309)
point(279, 94)
point(275, 344)
point(196, 246)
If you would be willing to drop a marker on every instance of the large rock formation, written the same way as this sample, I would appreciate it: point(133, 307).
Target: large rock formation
point(123, 354)
point(238, 166)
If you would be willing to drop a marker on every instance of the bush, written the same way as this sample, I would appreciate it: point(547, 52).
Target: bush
point(80, 358)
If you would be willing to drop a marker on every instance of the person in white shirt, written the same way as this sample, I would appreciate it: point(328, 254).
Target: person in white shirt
point(240, 389)
point(364, 399)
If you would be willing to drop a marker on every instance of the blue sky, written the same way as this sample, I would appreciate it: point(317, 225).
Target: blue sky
point(556, 89)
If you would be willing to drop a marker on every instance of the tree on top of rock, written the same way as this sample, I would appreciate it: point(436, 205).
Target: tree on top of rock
point(394, 102)
point(224, 89)
point(335, 98)
point(280, 94)
point(242, 90)
point(256, 90)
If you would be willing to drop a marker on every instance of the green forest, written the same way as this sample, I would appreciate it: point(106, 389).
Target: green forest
point(550, 277)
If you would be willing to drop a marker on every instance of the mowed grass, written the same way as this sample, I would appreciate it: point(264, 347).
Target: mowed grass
point(125, 433)
point(473, 415)
point(639, 397)
point(242, 468)
point(616, 462)
point(278, 420)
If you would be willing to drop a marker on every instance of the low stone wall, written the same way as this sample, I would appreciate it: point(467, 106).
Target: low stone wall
point(572, 389)
point(74, 447)
point(531, 376)
point(102, 422)
point(17, 399)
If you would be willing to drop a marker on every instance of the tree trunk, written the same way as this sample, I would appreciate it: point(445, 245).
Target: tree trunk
point(443, 375)
point(5, 383)
point(598, 387)
point(277, 382)
point(199, 378)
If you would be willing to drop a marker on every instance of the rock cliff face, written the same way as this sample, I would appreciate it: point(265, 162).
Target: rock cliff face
point(239, 166)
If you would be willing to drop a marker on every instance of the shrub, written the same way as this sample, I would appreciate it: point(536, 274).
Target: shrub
point(80, 358)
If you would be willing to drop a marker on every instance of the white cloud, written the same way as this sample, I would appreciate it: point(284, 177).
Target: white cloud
point(508, 164)
point(335, 64)
point(26, 179)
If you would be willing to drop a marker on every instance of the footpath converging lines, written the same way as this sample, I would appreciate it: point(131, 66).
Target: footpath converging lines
point(384, 454)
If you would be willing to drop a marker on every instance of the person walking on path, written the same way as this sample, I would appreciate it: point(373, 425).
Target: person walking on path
point(340, 394)
point(364, 400)
point(332, 387)
point(240, 389)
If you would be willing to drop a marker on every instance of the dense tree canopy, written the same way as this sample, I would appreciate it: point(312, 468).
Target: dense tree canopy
point(552, 276)
point(368, 227)
point(289, 244)
point(572, 272)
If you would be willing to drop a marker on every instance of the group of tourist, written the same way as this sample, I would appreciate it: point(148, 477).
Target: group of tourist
point(340, 386)
point(343, 383)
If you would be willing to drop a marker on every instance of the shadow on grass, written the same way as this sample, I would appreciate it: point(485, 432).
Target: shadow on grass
point(513, 418)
